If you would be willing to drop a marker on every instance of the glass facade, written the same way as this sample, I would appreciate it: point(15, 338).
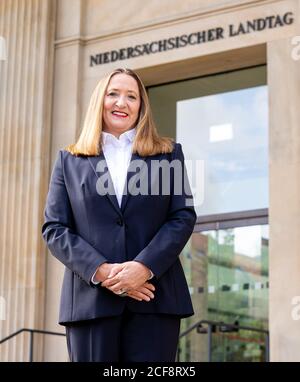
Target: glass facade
point(227, 132)
point(227, 271)
point(222, 122)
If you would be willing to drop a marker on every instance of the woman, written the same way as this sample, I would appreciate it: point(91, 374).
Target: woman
point(118, 214)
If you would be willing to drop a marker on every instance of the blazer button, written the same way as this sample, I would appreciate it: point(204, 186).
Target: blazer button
point(120, 222)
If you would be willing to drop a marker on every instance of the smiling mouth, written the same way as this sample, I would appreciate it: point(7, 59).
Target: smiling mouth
point(120, 114)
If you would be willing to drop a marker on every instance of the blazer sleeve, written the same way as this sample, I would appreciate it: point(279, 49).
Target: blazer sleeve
point(58, 230)
point(165, 247)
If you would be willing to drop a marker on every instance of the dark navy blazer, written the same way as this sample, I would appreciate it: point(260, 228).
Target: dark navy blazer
point(84, 229)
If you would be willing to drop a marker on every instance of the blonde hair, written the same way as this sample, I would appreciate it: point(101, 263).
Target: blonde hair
point(147, 140)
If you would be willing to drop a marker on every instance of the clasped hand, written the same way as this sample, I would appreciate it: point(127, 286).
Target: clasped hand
point(129, 277)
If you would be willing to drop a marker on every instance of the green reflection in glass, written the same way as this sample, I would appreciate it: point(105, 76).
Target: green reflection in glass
point(227, 272)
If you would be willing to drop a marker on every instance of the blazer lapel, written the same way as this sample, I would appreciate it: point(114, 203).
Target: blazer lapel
point(102, 170)
point(131, 171)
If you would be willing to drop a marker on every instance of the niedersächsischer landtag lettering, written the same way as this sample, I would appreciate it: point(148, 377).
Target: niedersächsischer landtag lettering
point(260, 24)
point(194, 38)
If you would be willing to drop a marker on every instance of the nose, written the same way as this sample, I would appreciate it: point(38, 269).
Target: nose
point(121, 102)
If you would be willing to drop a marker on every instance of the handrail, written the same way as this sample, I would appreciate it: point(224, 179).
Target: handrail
point(212, 327)
point(190, 329)
point(31, 331)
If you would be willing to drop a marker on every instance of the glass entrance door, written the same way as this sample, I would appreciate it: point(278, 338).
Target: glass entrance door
point(227, 271)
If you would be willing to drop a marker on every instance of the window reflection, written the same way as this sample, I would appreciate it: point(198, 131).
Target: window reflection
point(229, 131)
point(228, 278)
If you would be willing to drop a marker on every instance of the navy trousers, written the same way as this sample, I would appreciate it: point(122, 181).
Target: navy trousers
point(131, 337)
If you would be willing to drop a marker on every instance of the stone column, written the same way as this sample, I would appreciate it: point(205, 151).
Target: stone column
point(25, 109)
point(284, 263)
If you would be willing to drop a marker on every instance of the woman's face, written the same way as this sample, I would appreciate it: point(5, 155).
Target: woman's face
point(121, 104)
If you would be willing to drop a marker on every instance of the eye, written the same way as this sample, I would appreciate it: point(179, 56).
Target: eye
point(132, 97)
point(112, 94)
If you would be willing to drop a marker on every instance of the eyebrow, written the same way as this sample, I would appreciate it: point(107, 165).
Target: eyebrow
point(115, 89)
